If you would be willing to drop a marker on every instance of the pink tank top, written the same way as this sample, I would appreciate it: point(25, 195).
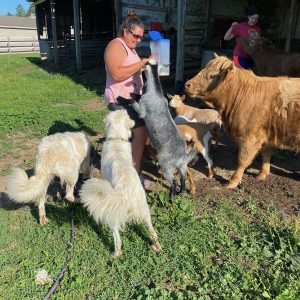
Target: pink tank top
point(133, 84)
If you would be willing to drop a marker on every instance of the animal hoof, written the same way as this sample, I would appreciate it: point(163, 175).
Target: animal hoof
point(193, 192)
point(44, 221)
point(157, 247)
point(231, 185)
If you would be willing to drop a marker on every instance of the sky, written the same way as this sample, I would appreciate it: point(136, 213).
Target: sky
point(11, 5)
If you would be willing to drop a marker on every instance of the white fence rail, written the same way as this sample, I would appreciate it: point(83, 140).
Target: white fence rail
point(19, 44)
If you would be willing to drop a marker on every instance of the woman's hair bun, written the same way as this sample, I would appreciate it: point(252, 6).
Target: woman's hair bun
point(132, 14)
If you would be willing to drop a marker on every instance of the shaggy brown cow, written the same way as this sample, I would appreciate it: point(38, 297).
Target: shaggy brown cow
point(271, 61)
point(259, 113)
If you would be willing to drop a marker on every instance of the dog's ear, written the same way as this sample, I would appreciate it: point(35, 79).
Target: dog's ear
point(182, 97)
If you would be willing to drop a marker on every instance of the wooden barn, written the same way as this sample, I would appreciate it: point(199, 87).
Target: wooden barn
point(79, 30)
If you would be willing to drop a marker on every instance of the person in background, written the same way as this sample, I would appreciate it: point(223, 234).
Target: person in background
point(246, 30)
point(124, 76)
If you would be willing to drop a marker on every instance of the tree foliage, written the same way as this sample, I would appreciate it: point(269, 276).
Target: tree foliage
point(20, 11)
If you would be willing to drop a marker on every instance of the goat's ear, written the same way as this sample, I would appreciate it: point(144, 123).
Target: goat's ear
point(169, 96)
point(182, 97)
point(216, 55)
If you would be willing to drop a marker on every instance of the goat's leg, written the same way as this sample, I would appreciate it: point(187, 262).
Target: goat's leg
point(153, 235)
point(266, 153)
point(168, 175)
point(139, 108)
point(205, 154)
point(117, 241)
point(191, 182)
point(173, 189)
point(182, 181)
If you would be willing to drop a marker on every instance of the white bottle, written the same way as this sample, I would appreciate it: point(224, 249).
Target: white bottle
point(160, 50)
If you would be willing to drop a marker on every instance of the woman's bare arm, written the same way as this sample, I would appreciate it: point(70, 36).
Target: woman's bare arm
point(114, 56)
point(229, 35)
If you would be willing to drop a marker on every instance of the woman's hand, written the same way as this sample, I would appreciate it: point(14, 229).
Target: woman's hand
point(234, 23)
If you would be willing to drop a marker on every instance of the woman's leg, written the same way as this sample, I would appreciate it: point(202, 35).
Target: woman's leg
point(138, 143)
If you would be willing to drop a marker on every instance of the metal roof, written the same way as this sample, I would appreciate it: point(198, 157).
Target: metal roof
point(17, 22)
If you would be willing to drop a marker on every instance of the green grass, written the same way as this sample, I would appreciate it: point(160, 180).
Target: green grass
point(213, 248)
point(37, 102)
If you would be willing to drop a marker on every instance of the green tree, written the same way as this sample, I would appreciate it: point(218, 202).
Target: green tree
point(31, 10)
point(9, 14)
point(20, 11)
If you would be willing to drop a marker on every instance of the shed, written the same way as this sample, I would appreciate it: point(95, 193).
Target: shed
point(11, 26)
point(193, 26)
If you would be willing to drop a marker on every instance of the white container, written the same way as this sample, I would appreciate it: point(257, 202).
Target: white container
point(160, 51)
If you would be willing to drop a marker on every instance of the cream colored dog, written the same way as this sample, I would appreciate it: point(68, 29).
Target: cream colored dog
point(120, 197)
point(63, 155)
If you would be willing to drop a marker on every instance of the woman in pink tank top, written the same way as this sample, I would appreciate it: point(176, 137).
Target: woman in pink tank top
point(124, 76)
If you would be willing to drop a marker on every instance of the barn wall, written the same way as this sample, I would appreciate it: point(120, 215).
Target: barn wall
point(165, 12)
point(5, 32)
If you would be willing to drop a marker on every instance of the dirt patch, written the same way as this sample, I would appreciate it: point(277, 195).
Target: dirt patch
point(24, 70)
point(281, 189)
point(94, 105)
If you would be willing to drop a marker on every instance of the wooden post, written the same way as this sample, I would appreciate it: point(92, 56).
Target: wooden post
point(181, 7)
point(33, 38)
point(118, 14)
point(54, 34)
point(290, 26)
point(8, 44)
point(77, 33)
point(207, 19)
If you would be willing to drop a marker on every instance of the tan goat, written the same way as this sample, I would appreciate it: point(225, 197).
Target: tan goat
point(198, 134)
point(208, 117)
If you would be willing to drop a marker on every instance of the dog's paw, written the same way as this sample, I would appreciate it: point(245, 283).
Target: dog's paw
point(43, 220)
point(70, 198)
point(118, 254)
point(157, 247)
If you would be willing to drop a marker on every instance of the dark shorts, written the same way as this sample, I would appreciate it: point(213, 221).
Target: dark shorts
point(242, 62)
point(133, 115)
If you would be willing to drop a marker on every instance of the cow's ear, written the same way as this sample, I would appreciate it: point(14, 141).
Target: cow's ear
point(216, 55)
point(169, 96)
point(182, 97)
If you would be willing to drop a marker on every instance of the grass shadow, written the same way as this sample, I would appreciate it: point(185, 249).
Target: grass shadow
point(91, 79)
point(60, 126)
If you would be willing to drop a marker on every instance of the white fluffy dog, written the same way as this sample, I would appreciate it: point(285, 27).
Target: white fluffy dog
point(120, 197)
point(63, 155)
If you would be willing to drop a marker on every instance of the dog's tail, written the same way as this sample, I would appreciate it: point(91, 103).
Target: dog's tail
point(102, 201)
point(22, 189)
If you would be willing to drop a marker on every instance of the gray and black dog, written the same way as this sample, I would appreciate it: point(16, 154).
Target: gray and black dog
point(172, 152)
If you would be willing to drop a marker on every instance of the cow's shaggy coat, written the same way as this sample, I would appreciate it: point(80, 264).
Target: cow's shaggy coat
point(259, 113)
point(271, 61)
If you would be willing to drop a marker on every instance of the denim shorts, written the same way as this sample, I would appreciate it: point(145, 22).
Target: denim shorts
point(133, 115)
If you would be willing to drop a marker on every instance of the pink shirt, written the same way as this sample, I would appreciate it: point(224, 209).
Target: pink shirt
point(244, 31)
point(133, 84)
